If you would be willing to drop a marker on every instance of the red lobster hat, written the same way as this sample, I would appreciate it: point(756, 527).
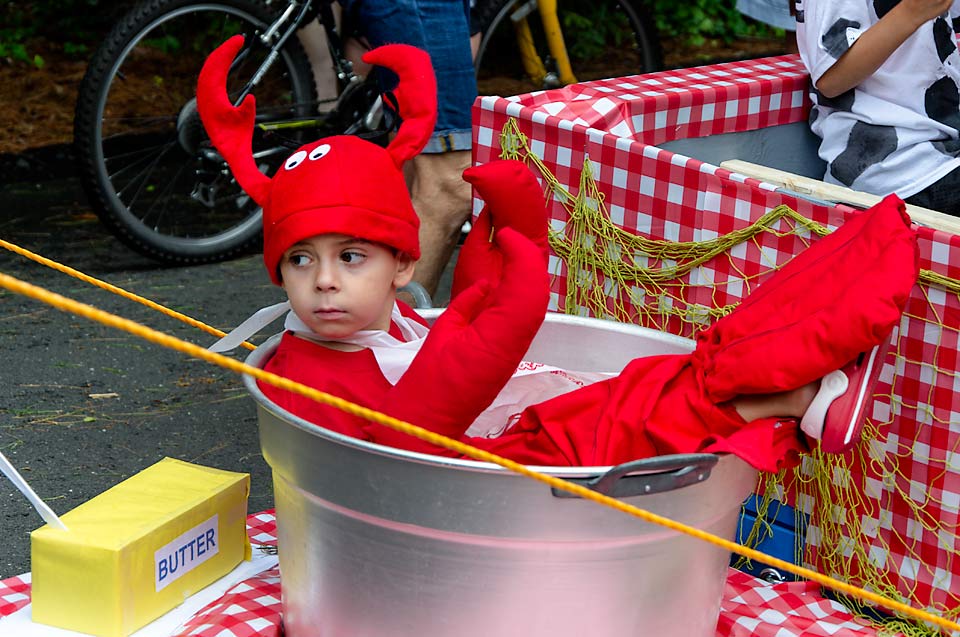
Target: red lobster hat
point(340, 184)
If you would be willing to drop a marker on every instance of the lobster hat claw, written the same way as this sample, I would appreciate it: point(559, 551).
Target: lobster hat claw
point(343, 184)
point(230, 127)
point(416, 96)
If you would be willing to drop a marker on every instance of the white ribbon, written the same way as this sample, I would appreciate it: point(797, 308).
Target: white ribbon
point(260, 319)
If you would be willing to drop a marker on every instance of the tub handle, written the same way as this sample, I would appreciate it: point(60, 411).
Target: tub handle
point(648, 475)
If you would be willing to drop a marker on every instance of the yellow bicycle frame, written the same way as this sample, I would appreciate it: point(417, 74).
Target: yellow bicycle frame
point(532, 63)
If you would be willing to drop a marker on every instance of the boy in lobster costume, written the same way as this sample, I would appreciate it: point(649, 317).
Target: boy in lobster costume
point(795, 361)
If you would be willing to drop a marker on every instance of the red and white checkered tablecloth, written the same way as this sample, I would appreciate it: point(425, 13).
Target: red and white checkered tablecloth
point(682, 103)
point(750, 606)
point(14, 594)
point(666, 196)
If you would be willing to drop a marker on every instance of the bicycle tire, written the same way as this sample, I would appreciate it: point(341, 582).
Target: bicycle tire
point(605, 38)
point(145, 162)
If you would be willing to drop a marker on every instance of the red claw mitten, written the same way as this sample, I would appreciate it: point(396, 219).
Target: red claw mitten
point(513, 199)
point(416, 96)
point(472, 349)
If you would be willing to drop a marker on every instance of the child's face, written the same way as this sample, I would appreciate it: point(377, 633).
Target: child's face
point(339, 285)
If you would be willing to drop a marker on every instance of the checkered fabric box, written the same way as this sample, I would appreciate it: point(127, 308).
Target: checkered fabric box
point(662, 195)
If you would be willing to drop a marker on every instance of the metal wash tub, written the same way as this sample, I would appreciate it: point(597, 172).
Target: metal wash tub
point(377, 542)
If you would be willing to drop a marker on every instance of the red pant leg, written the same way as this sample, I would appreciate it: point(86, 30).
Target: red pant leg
point(593, 425)
point(656, 406)
point(840, 297)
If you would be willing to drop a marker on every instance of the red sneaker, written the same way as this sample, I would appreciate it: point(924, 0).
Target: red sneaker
point(838, 411)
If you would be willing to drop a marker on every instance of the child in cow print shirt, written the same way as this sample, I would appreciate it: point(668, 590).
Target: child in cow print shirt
point(886, 95)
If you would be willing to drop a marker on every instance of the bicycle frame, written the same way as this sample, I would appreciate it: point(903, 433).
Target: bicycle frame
point(532, 63)
point(270, 34)
point(287, 27)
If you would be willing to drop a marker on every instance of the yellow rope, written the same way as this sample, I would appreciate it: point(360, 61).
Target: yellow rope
point(159, 338)
point(934, 278)
point(50, 263)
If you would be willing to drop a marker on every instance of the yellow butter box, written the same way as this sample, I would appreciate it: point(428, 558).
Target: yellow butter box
point(139, 549)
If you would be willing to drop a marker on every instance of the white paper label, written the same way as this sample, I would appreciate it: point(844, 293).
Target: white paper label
point(185, 553)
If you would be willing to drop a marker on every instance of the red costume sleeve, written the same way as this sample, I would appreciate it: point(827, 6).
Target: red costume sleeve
point(472, 350)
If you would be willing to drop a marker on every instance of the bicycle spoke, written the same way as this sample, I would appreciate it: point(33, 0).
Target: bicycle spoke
point(158, 199)
point(142, 122)
point(136, 152)
point(143, 175)
point(161, 201)
point(142, 159)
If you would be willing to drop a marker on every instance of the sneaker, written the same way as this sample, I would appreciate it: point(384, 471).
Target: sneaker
point(838, 411)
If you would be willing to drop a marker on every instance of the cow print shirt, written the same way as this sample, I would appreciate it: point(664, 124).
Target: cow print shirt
point(898, 130)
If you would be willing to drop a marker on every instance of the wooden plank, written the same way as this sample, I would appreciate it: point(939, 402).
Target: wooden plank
point(830, 192)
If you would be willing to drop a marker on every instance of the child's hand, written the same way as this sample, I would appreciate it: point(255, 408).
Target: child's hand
point(924, 10)
point(472, 349)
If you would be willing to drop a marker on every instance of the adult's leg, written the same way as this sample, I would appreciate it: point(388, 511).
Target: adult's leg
point(440, 196)
point(443, 203)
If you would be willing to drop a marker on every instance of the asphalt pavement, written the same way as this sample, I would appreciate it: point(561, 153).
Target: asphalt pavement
point(84, 406)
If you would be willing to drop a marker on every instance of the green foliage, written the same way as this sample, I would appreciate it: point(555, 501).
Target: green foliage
point(77, 25)
point(14, 33)
point(697, 20)
point(588, 35)
point(167, 44)
point(694, 21)
point(75, 49)
point(11, 48)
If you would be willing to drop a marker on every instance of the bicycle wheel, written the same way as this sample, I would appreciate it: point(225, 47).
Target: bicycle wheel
point(604, 38)
point(146, 163)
